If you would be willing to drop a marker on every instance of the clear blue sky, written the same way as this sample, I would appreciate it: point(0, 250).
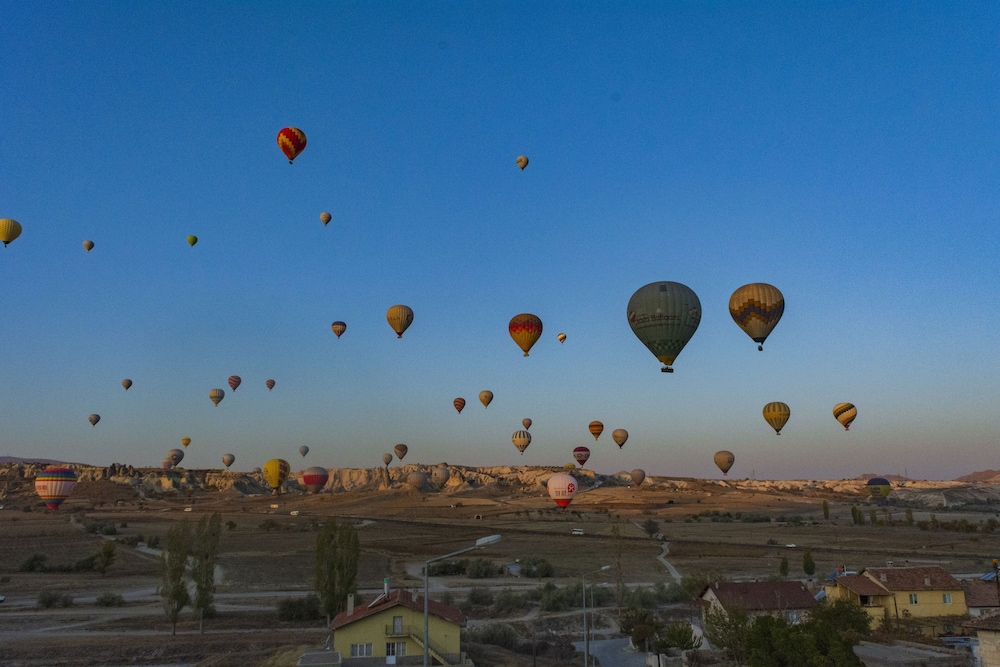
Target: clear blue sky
point(844, 152)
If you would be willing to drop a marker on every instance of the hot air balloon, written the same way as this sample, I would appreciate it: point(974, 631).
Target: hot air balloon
point(303, 450)
point(638, 476)
point(126, 383)
point(459, 403)
point(387, 459)
point(269, 384)
point(291, 140)
point(526, 423)
point(521, 440)
point(54, 485)
point(228, 460)
point(175, 456)
point(581, 454)
point(338, 328)
point(525, 329)
point(192, 240)
point(325, 217)
point(234, 381)
point(400, 450)
point(664, 316)
point(9, 230)
point(315, 478)
point(756, 308)
point(596, 429)
point(619, 435)
point(216, 395)
point(416, 479)
point(185, 442)
point(485, 397)
point(561, 337)
point(88, 245)
point(522, 161)
point(400, 318)
point(93, 419)
point(776, 414)
point(275, 473)
point(724, 460)
point(879, 488)
point(165, 464)
point(440, 475)
point(845, 414)
point(562, 488)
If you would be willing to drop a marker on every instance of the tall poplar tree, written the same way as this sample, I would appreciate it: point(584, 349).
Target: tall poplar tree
point(173, 562)
point(206, 548)
point(337, 554)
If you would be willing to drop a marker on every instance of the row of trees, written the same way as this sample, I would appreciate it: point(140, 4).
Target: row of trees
point(199, 548)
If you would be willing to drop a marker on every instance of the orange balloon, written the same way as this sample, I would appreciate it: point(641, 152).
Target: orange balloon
point(525, 329)
point(292, 141)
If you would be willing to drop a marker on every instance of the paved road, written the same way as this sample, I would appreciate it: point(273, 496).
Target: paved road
point(614, 653)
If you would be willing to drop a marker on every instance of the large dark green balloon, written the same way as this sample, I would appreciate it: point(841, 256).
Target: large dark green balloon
point(664, 316)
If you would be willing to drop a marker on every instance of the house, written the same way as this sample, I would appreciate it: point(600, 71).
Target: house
point(790, 600)
point(390, 631)
point(926, 597)
point(980, 597)
point(988, 631)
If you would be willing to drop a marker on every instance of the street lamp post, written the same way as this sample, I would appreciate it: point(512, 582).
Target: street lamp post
point(480, 543)
point(586, 635)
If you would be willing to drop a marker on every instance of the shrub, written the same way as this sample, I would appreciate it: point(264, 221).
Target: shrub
point(33, 563)
point(109, 600)
point(231, 525)
point(507, 602)
point(448, 568)
point(299, 609)
point(501, 634)
point(153, 542)
point(480, 596)
point(47, 598)
point(481, 568)
point(65, 600)
point(532, 566)
point(101, 528)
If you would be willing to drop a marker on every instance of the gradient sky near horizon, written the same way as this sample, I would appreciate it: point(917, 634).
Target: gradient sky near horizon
point(845, 152)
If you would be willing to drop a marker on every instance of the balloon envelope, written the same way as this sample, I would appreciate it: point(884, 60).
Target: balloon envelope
point(303, 450)
point(400, 451)
point(416, 479)
point(216, 395)
point(88, 245)
point(878, 487)
point(54, 485)
point(192, 240)
point(270, 385)
point(400, 317)
point(228, 460)
point(440, 475)
point(315, 478)
point(845, 414)
point(185, 442)
point(126, 383)
point(756, 308)
point(581, 454)
point(276, 472)
point(562, 488)
point(338, 328)
point(619, 435)
point(561, 337)
point(325, 217)
point(522, 162)
point(776, 414)
point(175, 456)
point(9, 230)
point(724, 460)
point(596, 429)
point(525, 329)
point(93, 419)
point(291, 140)
point(234, 381)
point(521, 440)
point(638, 476)
point(486, 397)
point(387, 459)
point(664, 316)
point(459, 403)
point(526, 423)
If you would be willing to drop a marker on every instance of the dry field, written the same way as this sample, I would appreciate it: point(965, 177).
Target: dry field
point(268, 555)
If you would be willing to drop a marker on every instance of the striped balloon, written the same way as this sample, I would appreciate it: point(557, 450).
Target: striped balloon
point(521, 440)
point(776, 414)
point(315, 478)
point(54, 485)
point(234, 381)
point(9, 230)
point(845, 414)
point(216, 395)
point(581, 454)
point(275, 473)
point(596, 428)
point(525, 329)
point(756, 308)
point(459, 404)
point(338, 328)
point(400, 450)
point(291, 140)
point(269, 384)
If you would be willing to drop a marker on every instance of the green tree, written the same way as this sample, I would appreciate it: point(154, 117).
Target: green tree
point(173, 562)
point(873, 516)
point(826, 510)
point(651, 527)
point(617, 547)
point(105, 557)
point(337, 555)
point(772, 642)
point(845, 616)
point(783, 567)
point(808, 564)
point(677, 635)
point(727, 631)
point(206, 548)
point(909, 517)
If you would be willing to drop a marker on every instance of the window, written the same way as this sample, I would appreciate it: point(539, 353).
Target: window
point(395, 648)
point(946, 598)
point(361, 650)
point(913, 598)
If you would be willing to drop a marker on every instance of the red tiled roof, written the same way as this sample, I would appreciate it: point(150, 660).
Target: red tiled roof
point(764, 595)
point(860, 584)
point(930, 578)
point(980, 593)
point(402, 598)
point(985, 623)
